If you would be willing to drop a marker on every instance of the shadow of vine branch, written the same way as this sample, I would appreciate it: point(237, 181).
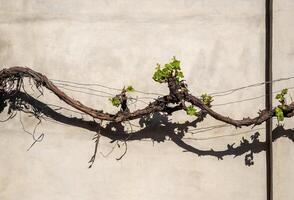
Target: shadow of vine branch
point(156, 127)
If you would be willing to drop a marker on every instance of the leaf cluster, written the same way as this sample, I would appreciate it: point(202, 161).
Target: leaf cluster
point(206, 99)
point(116, 100)
point(130, 89)
point(279, 114)
point(173, 68)
point(191, 110)
point(279, 109)
point(281, 96)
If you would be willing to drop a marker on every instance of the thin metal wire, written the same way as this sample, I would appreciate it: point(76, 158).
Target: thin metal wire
point(230, 91)
point(221, 136)
point(97, 95)
point(214, 94)
point(103, 86)
point(247, 99)
point(85, 88)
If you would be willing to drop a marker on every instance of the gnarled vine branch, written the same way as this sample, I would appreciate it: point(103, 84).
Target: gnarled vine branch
point(11, 79)
point(179, 98)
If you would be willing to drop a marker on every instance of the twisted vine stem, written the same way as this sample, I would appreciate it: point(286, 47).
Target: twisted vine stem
point(11, 80)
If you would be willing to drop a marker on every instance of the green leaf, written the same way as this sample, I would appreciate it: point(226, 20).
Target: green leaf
point(168, 67)
point(180, 74)
point(130, 89)
point(115, 101)
point(157, 76)
point(278, 96)
point(279, 114)
point(206, 99)
point(175, 63)
point(191, 110)
point(281, 97)
point(166, 72)
point(284, 91)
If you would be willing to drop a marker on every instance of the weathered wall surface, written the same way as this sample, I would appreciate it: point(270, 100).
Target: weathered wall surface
point(283, 53)
point(114, 43)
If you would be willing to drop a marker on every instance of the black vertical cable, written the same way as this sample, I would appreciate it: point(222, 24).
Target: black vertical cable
point(268, 92)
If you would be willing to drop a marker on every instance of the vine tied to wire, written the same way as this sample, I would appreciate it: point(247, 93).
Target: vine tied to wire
point(179, 97)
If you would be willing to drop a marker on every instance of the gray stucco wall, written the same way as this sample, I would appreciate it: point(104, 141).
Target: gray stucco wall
point(221, 46)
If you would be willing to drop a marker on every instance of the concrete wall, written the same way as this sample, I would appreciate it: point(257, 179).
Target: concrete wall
point(115, 43)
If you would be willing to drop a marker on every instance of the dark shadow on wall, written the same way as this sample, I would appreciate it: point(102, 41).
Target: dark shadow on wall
point(156, 127)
